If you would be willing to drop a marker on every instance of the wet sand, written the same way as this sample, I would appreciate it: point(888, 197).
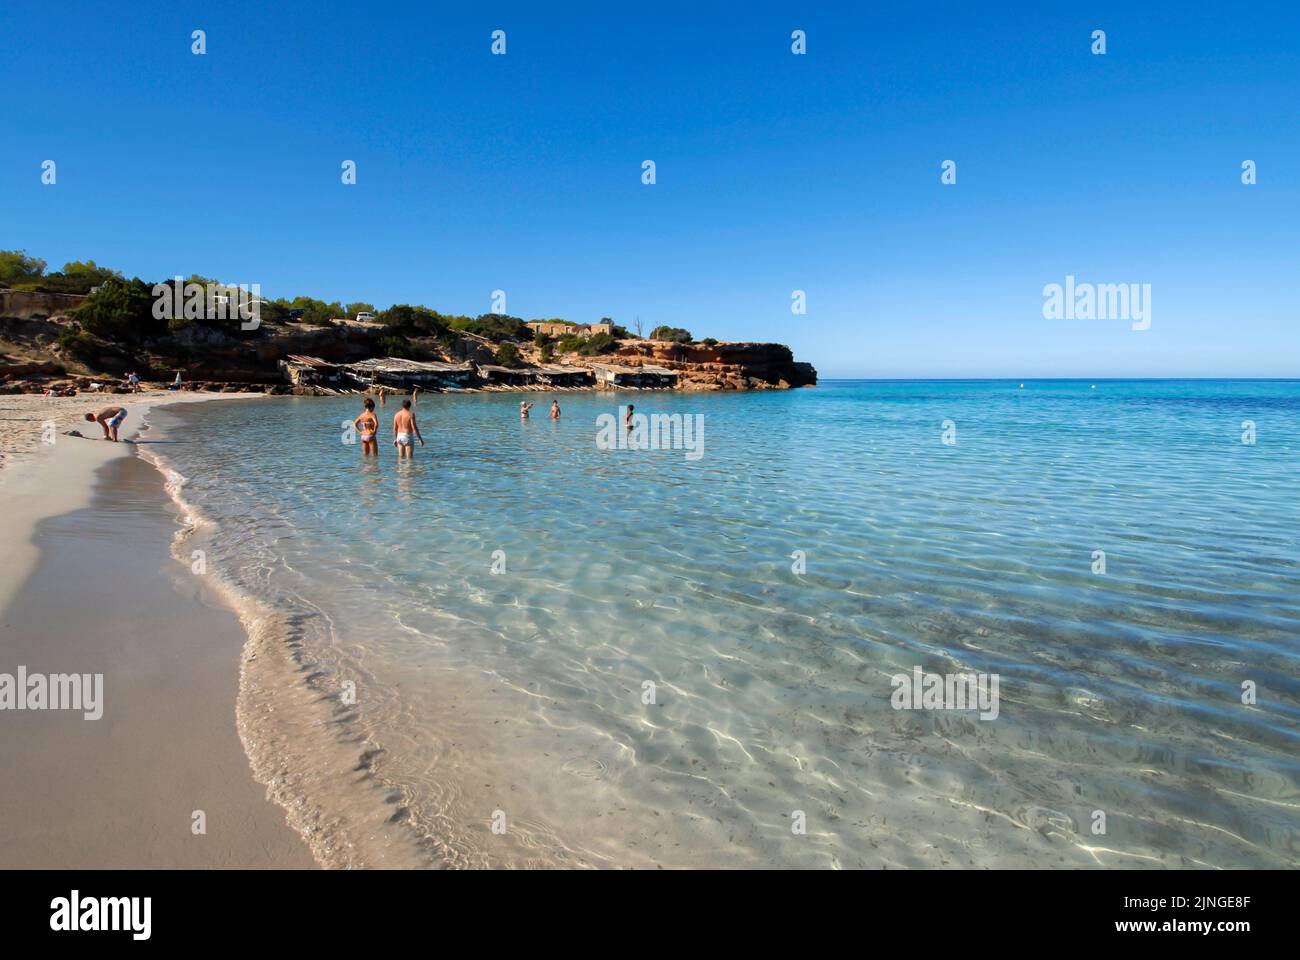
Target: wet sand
point(93, 588)
point(44, 472)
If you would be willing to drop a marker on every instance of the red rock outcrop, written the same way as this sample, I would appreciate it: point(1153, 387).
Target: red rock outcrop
point(721, 366)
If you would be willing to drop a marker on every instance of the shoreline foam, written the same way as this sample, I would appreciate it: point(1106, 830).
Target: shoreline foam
point(293, 728)
point(328, 764)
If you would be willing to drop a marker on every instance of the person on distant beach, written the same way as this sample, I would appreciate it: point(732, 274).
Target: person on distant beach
point(368, 426)
point(405, 432)
point(110, 418)
point(524, 407)
point(555, 409)
point(133, 381)
point(176, 384)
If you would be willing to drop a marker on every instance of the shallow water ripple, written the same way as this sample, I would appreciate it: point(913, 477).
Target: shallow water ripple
point(522, 693)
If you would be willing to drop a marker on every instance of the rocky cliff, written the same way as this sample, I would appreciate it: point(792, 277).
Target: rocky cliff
point(721, 366)
point(21, 305)
point(40, 343)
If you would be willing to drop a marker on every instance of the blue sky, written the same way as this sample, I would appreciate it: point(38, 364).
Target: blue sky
point(775, 172)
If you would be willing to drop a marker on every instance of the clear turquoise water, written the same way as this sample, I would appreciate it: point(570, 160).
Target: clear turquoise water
point(519, 695)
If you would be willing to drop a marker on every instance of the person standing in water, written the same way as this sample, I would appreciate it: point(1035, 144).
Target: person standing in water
point(368, 426)
point(381, 396)
point(555, 409)
point(523, 409)
point(405, 432)
point(627, 417)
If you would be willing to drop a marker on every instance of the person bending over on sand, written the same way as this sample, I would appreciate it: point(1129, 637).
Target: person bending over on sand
point(368, 426)
point(405, 432)
point(555, 409)
point(110, 418)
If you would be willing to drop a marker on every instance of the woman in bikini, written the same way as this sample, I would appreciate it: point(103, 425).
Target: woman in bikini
point(368, 426)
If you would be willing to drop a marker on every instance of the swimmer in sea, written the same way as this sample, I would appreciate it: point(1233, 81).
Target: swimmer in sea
point(405, 432)
point(368, 426)
point(555, 409)
point(524, 407)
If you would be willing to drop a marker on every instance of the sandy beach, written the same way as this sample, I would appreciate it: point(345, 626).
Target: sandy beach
point(45, 473)
point(161, 778)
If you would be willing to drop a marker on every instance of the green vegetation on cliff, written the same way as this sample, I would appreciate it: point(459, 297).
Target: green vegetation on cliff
point(21, 272)
point(591, 346)
point(508, 356)
point(673, 334)
point(132, 323)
